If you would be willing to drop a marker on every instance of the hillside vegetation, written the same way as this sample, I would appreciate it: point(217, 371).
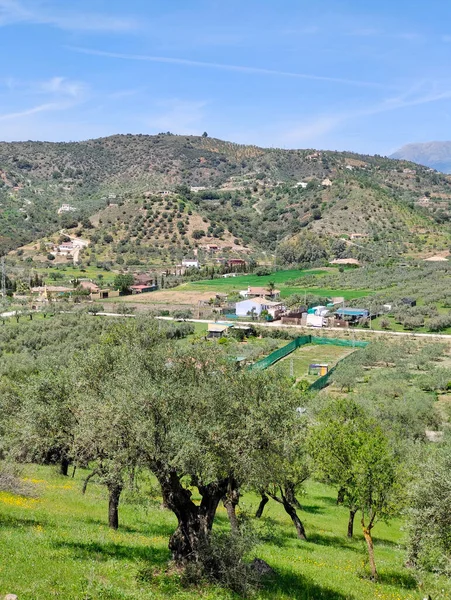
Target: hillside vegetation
point(242, 198)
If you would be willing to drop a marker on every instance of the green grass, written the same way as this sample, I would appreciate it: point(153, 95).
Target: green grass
point(242, 281)
point(235, 284)
point(69, 272)
point(311, 353)
point(60, 547)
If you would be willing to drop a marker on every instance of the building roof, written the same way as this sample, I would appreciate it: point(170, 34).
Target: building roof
point(353, 312)
point(262, 290)
point(215, 328)
point(345, 261)
point(89, 285)
point(140, 286)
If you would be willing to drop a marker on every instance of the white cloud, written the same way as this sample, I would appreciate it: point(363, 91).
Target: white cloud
point(224, 67)
point(38, 12)
point(30, 111)
point(55, 94)
point(309, 131)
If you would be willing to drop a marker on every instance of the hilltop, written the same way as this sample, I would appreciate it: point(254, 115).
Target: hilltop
point(141, 198)
point(436, 155)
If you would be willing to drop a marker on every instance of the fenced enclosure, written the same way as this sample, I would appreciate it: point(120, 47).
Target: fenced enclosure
point(304, 340)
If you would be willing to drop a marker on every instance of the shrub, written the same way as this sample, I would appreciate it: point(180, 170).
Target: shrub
point(223, 562)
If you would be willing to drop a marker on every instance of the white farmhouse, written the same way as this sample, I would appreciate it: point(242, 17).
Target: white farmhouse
point(190, 263)
point(257, 305)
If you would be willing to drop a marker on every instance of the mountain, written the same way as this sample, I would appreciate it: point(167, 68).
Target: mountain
point(436, 155)
point(145, 198)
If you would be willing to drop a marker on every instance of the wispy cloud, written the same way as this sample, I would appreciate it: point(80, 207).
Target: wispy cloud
point(55, 86)
point(36, 12)
point(60, 93)
point(309, 131)
point(225, 67)
point(31, 111)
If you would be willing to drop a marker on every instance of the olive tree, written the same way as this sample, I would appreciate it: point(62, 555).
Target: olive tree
point(189, 416)
point(43, 428)
point(429, 513)
point(352, 452)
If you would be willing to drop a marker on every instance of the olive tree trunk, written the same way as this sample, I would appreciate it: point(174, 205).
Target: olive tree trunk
point(370, 546)
point(351, 522)
point(263, 502)
point(64, 466)
point(291, 511)
point(230, 501)
point(114, 491)
point(194, 521)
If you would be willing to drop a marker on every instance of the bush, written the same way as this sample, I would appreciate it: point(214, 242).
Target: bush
point(223, 562)
point(413, 322)
point(262, 271)
point(439, 323)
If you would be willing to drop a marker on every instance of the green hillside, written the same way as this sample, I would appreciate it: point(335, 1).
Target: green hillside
point(167, 192)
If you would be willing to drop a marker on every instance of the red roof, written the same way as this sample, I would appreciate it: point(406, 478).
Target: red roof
point(139, 287)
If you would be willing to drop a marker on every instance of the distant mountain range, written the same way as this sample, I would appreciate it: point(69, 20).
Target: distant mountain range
point(436, 155)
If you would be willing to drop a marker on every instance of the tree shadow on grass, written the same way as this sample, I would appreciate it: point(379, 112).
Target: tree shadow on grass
point(289, 585)
point(330, 501)
point(333, 540)
point(8, 522)
point(109, 550)
point(150, 529)
point(313, 509)
point(402, 579)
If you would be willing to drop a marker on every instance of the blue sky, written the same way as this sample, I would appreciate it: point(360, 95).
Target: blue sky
point(336, 74)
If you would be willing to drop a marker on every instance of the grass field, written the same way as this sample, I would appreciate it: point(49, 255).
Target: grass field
point(235, 284)
point(70, 271)
point(308, 354)
point(58, 546)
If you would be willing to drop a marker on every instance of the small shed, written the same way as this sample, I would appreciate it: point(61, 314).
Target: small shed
point(216, 331)
point(318, 369)
point(409, 301)
point(352, 314)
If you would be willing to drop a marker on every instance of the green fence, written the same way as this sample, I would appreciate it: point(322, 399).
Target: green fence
point(272, 358)
point(337, 342)
point(321, 382)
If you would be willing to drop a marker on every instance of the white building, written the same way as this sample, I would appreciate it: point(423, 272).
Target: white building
point(66, 208)
point(257, 305)
point(190, 263)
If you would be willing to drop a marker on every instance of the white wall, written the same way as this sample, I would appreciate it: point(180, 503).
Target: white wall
point(242, 308)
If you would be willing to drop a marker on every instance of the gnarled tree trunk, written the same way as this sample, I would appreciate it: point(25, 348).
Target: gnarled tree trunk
point(114, 490)
point(194, 521)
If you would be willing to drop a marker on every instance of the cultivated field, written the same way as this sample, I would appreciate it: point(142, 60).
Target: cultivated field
point(280, 279)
